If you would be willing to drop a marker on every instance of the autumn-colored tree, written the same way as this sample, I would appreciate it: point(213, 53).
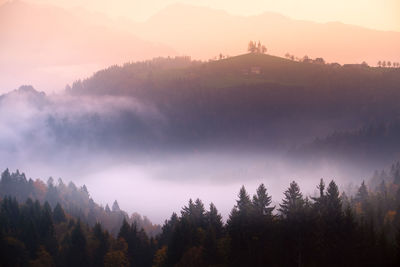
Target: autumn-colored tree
point(116, 259)
point(160, 257)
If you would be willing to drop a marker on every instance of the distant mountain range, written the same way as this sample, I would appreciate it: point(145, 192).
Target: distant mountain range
point(48, 46)
point(202, 32)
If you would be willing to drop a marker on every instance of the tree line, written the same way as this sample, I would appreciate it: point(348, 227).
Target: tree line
point(388, 64)
point(327, 229)
point(75, 200)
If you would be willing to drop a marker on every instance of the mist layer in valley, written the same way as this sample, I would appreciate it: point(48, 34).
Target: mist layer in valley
point(158, 132)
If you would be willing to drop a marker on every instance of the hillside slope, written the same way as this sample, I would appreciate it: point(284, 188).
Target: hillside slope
point(252, 99)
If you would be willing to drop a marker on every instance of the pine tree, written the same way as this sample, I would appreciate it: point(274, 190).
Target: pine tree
point(102, 244)
point(214, 220)
point(115, 207)
point(46, 229)
point(125, 230)
point(334, 203)
point(362, 193)
point(59, 214)
point(199, 213)
point(77, 254)
point(107, 209)
point(320, 201)
point(239, 226)
point(262, 201)
point(188, 211)
point(243, 204)
point(293, 202)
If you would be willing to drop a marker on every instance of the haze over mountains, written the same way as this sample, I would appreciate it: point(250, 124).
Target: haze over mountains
point(49, 46)
point(202, 32)
point(184, 124)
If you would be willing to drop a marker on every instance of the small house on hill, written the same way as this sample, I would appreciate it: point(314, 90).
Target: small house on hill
point(255, 70)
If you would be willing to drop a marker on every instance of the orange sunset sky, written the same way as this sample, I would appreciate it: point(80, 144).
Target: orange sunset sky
point(375, 14)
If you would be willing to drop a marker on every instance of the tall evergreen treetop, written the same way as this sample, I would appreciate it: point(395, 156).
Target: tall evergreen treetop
point(115, 206)
point(362, 194)
point(199, 210)
point(214, 219)
point(320, 201)
point(107, 208)
point(243, 203)
point(293, 201)
point(188, 210)
point(125, 230)
point(262, 201)
point(321, 188)
point(333, 199)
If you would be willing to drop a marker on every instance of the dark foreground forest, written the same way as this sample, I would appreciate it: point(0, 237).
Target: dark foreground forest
point(329, 229)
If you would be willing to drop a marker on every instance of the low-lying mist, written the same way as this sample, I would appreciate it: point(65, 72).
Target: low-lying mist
point(164, 185)
point(119, 148)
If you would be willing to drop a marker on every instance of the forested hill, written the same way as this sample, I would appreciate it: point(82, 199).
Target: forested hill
point(253, 99)
point(252, 68)
point(76, 201)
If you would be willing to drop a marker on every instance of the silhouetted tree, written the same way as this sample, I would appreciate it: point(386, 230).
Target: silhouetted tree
point(262, 202)
point(293, 201)
point(252, 48)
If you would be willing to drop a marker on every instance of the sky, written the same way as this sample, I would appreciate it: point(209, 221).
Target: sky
point(376, 14)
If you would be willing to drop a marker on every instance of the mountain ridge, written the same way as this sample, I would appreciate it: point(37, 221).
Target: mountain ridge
point(220, 32)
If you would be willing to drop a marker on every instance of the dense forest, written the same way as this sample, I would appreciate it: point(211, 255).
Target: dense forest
point(375, 142)
point(327, 229)
point(75, 201)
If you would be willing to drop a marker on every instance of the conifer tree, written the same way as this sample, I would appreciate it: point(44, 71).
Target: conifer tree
point(334, 203)
point(77, 254)
point(214, 220)
point(293, 202)
point(102, 244)
point(59, 214)
point(199, 213)
point(125, 230)
point(243, 204)
point(115, 206)
point(362, 197)
point(262, 201)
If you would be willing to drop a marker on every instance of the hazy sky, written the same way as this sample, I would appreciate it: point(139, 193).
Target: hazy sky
point(377, 14)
